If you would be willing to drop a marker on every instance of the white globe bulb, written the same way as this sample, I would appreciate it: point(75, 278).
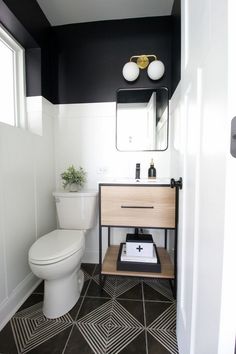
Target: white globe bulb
point(130, 71)
point(156, 70)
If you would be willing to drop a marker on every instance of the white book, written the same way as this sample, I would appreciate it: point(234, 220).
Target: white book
point(125, 258)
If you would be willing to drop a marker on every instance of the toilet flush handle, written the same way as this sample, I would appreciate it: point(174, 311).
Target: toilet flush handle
point(57, 200)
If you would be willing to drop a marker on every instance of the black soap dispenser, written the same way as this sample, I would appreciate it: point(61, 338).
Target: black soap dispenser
point(152, 171)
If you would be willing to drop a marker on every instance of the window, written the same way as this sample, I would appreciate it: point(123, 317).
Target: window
point(12, 88)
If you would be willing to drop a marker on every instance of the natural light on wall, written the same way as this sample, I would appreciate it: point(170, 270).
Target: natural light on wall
point(12, 88)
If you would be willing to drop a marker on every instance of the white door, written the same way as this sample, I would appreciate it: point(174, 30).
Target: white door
point(201, 110)
point(227, 329)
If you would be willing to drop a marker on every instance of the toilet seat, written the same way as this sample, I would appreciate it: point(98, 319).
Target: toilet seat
point(56, 246)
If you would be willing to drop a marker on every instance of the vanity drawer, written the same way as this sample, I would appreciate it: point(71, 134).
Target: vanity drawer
point(137, 206)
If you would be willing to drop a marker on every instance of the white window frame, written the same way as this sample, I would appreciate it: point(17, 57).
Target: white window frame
point(19, 76)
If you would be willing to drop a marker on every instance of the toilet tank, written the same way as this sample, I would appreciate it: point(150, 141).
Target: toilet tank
point(76, 211)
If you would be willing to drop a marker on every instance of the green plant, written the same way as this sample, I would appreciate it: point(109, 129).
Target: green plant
point(71, 175)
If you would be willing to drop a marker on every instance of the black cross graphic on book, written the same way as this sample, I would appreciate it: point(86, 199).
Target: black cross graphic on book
point(139, 248)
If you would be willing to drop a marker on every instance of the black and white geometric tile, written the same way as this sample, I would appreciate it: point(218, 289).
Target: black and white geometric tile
point(116, 286)
point(31, 328)
point(160, 287)
point(129, 315)
point(163, 329)
point(109, 328)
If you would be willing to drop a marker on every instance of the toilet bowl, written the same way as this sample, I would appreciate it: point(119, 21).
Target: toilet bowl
point(56, 256)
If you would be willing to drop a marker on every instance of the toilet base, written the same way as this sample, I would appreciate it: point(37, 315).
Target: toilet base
point(61, 295)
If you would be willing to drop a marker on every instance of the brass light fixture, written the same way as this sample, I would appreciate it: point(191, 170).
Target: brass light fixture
point(155, 68)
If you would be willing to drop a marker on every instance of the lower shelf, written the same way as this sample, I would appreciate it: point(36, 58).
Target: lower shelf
point(109, 265)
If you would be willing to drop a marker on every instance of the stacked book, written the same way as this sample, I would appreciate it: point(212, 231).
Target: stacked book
point(139, 253)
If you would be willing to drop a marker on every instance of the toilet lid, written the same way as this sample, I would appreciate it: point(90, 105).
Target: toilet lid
point(55, 246)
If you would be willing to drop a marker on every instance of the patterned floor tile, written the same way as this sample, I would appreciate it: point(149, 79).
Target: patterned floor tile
point(155, 347)
point(31, 328)
point(74, 311)
point(33, 299)
point(85, 286)
point(128, 288)
point(135, 308)
point(161, 289)
point(77, 344)
point(54, 345)
point(96, 270)
point(88, 268)
point(95, 290)
point(137, 346)
point(125, 287)
point(109, 284)
point(7, 342)
point(87, 276)
point(130, 315)
point(89, 305)
point(109, 328)
point(152, 293)
point(154, 309)
point(163, 329)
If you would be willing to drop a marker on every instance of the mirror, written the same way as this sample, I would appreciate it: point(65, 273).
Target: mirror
point(142, 119)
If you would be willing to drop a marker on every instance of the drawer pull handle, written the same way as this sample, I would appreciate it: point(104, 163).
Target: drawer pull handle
point(136, 207)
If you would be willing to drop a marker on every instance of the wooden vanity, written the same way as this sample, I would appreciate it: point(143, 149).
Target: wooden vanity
point(137, 205)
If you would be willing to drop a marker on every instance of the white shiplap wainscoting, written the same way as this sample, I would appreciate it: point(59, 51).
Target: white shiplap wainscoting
point(26, 204)
point(32, 160)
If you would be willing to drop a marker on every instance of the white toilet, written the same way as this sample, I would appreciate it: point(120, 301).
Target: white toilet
point(56, 256)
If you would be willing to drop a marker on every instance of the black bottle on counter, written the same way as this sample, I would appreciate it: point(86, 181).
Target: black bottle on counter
point(137, 171)
point(152, 171)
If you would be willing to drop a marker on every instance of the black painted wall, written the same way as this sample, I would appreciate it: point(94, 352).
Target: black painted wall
point(83, 62)
point(91, 56)
point(31, 16)
point(176, 44)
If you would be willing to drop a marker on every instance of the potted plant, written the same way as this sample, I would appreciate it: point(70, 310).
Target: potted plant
point(73, 178)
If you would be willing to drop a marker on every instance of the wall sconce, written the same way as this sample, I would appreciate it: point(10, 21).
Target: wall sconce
point(155, 69)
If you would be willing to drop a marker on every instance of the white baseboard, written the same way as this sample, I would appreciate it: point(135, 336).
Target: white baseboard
point(12, 303)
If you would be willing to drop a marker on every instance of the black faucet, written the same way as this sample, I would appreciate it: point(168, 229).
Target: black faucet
point(137, 171)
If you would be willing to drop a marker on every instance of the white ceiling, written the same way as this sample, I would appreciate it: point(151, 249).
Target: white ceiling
point(61, 12)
